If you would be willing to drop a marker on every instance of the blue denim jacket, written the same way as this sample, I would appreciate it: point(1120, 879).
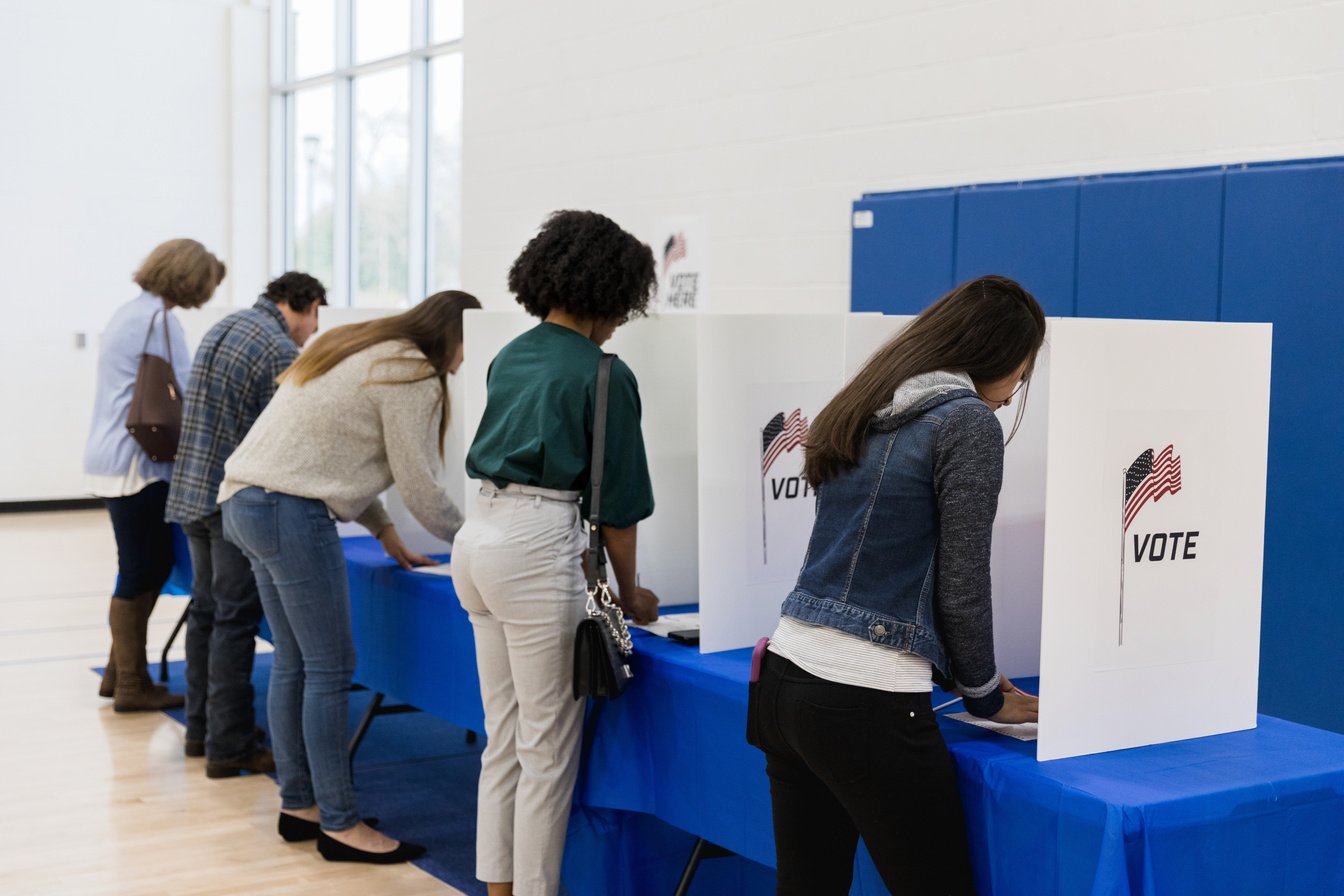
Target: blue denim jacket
point(873, 561)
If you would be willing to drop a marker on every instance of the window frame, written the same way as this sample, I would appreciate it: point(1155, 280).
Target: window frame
point(416, 61)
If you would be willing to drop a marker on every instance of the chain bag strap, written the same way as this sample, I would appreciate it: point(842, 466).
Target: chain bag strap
point(602, 646)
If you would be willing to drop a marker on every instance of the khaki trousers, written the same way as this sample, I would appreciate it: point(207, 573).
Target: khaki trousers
point(516, 568)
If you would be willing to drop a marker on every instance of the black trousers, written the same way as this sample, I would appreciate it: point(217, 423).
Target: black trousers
point(846, 762)
point(144, 540)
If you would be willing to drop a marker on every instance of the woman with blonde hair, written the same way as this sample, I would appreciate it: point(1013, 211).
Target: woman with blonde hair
point(134, 486)
point(365, 407)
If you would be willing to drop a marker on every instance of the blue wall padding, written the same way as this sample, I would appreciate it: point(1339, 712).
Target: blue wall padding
point(907, 255)
point(1027, 232)
point(1284, 261)
point(1149, 246)
point(1261, 242)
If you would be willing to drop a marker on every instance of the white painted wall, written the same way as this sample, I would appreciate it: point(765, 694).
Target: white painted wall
point(122, 123)
point(768, 117)
point(125, 122)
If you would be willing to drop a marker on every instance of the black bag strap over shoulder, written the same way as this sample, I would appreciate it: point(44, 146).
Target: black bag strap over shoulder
point(602, 645)
point(597, 555)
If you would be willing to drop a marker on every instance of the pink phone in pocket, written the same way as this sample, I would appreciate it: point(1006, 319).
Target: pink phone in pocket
point(758, 654)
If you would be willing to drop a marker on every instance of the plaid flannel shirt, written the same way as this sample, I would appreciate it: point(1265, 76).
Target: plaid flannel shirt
point(232, 380)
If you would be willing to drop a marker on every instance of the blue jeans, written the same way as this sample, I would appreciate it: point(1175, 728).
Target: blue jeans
point(222, 624)
point(300, 569)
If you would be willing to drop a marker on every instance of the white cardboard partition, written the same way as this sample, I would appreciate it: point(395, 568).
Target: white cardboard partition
point(1107, 396)
point(484, 333)
point(739, 599)
point(1150, 620)
point(865, 333)
point(762, 379)
point(661, 353)
point(1142, 437)
point(1019, 527)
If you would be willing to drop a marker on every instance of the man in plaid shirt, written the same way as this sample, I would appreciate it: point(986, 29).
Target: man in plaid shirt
point(232, 380)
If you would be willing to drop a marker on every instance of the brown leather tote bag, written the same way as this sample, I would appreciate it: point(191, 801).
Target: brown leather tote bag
point(155, 417)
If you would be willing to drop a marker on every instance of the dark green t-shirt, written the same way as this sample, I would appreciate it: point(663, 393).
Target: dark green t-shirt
point(538, 423)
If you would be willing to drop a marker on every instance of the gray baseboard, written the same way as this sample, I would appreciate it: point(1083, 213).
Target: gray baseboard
point(50, 506)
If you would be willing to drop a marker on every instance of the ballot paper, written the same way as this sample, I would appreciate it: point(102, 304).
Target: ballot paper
point(442, 569)
point(1021, 731)
point(672, 622)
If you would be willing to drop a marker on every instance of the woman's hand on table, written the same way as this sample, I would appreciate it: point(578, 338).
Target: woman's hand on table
point(1018, 707)
point(397, 550)
point(641, 604)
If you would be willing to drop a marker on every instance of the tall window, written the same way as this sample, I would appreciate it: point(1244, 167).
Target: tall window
point(368, 146)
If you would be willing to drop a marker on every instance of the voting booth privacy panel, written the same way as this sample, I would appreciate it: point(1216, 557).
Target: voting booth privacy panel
point(1127, 548)
point(661, 353)
point(1245, 243)
point(1153, 540)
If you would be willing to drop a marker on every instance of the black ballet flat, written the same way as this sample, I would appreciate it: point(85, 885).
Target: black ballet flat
point(297, 830)
point(335, 851)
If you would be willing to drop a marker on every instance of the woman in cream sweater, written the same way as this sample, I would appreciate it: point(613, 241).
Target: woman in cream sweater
point(364, 407)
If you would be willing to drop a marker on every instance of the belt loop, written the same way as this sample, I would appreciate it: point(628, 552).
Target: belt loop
point(536, 500)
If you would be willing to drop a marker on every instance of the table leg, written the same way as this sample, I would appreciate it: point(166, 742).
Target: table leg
point(363, 728)
point(703, 849)
point(376, 708)
point(163, 657)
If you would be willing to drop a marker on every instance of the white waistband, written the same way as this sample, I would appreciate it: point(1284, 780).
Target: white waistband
point(529, 491)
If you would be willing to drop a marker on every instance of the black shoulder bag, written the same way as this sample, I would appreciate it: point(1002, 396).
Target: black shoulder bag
point(602, 648)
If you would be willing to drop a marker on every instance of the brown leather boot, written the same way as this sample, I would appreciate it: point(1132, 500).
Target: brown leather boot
point(134, 692)
point(144, 607)
point(108, 686)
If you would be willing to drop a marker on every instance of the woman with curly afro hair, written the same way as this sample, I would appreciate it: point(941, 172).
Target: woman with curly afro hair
point(517, 562)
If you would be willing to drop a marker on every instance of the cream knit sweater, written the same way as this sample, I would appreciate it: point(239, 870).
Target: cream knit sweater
point(343, 438)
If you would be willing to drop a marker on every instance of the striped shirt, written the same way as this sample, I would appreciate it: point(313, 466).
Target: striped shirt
point(232, 380)
point(836, 656)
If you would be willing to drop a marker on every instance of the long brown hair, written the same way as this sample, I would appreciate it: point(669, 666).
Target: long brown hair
point(434, 327)
point(984, 328)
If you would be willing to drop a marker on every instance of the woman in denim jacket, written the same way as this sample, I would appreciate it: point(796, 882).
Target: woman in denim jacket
point(894, 592)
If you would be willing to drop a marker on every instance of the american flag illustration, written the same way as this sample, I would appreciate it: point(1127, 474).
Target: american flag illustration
point(674, 249)
point(1149, 478)
point(781, 435)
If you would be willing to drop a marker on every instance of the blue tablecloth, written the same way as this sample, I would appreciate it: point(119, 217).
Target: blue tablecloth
point(413, 640)
point(1257, 812)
